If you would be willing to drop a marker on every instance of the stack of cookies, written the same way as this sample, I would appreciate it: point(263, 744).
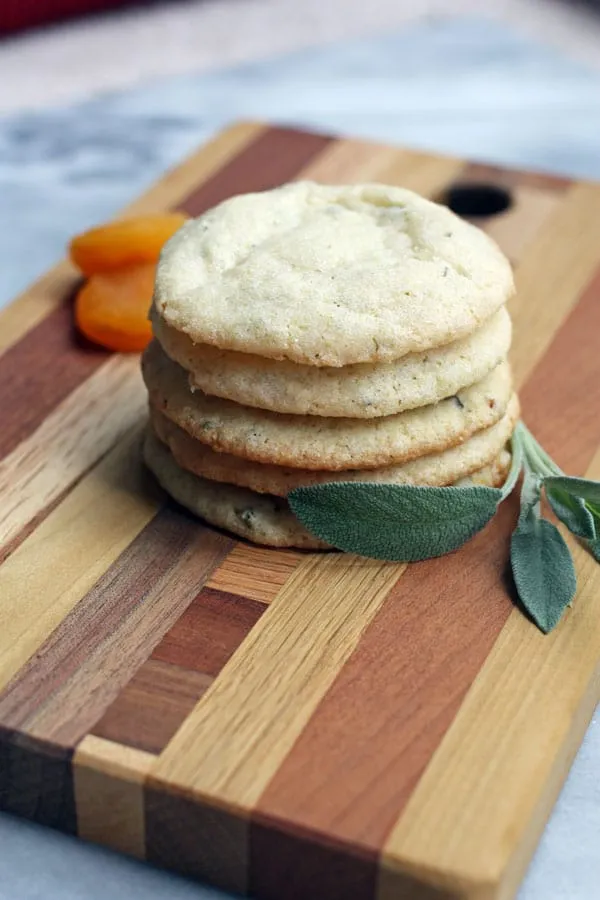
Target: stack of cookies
point(316, 333)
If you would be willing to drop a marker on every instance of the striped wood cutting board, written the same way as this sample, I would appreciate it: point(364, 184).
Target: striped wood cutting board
point(284, 724)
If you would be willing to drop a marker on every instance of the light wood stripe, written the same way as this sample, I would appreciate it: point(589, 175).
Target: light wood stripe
point(76, 543)
point(255, 572)
point(559, 264)
point(67, 444)
point(518, 227)
point(345, 160)
point(109, 794)
point(477, 813)
point(487, 173)
point(240, 731)
point(420, 172)
point(50, 290)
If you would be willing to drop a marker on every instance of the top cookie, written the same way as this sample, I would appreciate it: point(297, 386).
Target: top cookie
point(330, 276)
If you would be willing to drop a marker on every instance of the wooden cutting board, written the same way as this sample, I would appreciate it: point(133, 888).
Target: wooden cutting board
point(284, 724)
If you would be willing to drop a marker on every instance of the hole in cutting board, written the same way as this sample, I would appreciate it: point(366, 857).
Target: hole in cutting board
point(477, 201)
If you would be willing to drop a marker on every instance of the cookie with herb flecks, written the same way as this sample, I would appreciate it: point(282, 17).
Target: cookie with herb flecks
point(363, 391)
point(435, 469)
point(330, 275)
point(318, 442)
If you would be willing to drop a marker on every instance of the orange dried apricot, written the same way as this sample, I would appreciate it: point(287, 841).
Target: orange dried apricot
point(124, 243)
point(111, 308)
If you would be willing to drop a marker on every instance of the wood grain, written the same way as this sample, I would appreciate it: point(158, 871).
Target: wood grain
point(255, 572)
point(77, 542)
point(487, 173)
point(504, 759)
point(557, 267)
point(272, 158)
point(109, 797)
point(62, 692)
point(342, 160)
point(212, 628)
point(575, 390)
point(151, 707)
point(573, 387)
point(182, 666)
point(41, 371)
point(421, 172)
point(245, 724)
point(282, 722)
point(70, 440)
point(518, 227)
point(383, 717)
point(370, 760)
point(50, 291)
point(36, 781)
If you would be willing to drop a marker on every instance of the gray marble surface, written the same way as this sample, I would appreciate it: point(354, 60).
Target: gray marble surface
point(457, 86)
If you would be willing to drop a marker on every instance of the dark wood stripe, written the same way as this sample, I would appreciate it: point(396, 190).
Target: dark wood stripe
point(193, 839)
point(152, 706)
point(209, 632)
point(75, 676)
point(39, 372)
point(377, 728)
point(36, 781)
point(274, 157)
point(150, 709)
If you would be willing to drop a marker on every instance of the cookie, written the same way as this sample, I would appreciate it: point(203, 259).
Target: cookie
point(492, 475)
point(330, 276)
point(437, 469)
point(260, 518)
point(364, 391)
point(317, 442)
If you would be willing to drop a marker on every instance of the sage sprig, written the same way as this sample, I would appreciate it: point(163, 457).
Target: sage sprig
point(409, 523)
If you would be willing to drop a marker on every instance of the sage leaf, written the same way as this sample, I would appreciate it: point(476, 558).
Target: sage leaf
point(399, 523)
point(594, 508)
point(531, 493)
point(572, 512)
point(594, 548)
point(541, 562)
point(516, 465)
point(577, 487)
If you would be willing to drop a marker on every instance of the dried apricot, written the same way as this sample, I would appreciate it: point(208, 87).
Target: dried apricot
point(111, 308)
point(123, 243)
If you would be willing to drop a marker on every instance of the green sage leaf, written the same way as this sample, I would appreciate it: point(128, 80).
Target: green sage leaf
point(572, 512)
point(594, 508)
point(541, 562)
point(577, 487)
point(516, 465)
point(399, 523)
point(594, 548)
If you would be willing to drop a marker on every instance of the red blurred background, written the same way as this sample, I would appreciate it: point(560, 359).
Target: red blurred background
point(16, 15)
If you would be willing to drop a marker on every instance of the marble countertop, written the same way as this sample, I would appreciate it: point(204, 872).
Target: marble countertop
point(456, 86)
